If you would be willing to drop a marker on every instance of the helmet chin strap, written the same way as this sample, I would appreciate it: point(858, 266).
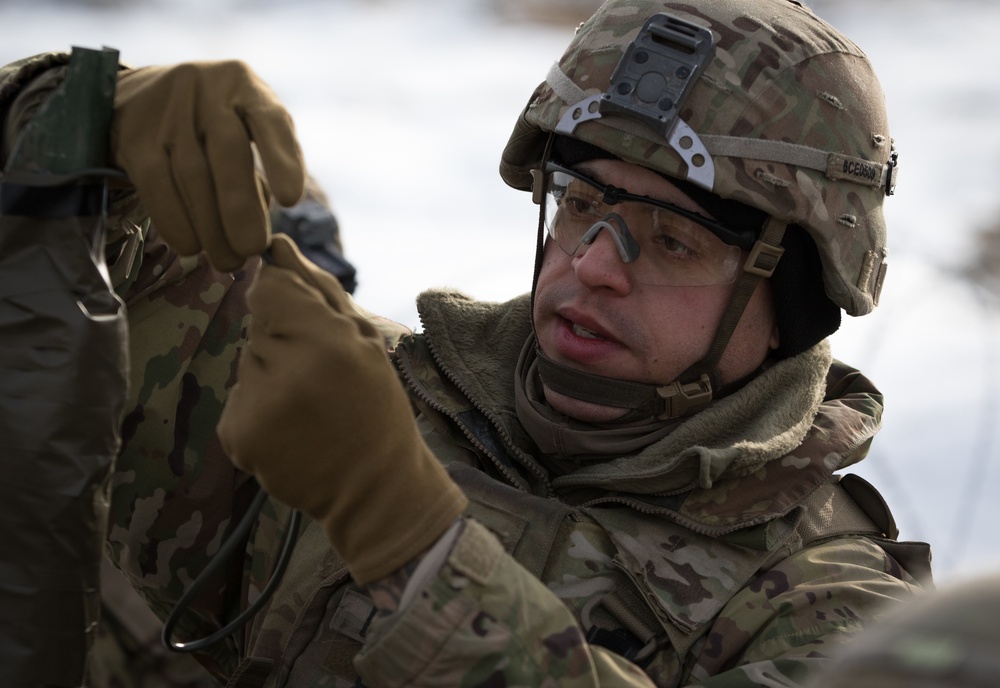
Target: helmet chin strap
point(642, 400)
point(696, 387)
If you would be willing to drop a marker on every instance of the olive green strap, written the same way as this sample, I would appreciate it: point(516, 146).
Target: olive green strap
point(760, 264)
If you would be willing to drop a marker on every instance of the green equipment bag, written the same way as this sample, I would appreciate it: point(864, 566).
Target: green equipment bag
point(63, 379)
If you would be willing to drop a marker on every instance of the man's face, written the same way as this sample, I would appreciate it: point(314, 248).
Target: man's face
point(591, 314)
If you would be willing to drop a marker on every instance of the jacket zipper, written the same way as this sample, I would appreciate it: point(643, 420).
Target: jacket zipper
point(415, 385)
point(694, 526)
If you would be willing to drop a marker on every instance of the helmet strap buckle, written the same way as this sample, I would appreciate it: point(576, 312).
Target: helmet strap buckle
point(680, 398)
point(763, 258)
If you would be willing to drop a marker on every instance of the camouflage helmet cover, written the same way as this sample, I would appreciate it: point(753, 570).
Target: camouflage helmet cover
point(789, 110)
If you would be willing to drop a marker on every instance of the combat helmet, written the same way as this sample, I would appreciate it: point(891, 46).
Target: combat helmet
point(758, 102)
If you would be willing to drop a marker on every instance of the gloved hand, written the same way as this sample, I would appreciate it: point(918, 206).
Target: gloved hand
point(183, 135)
point(319, 416)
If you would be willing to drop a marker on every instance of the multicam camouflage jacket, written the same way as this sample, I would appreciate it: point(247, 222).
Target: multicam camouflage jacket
point(754, 565)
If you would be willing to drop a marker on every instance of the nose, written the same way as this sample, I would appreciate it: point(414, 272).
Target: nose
point(600, 264)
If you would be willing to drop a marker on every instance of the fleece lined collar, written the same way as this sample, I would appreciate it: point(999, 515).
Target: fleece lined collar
point(766, 447)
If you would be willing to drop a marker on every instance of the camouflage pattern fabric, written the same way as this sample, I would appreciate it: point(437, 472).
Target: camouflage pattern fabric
point(175, 492)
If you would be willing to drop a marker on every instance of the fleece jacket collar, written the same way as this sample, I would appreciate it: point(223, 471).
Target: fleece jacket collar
point(755, 454)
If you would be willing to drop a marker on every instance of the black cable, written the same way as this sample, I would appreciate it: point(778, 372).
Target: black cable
point(221, 558)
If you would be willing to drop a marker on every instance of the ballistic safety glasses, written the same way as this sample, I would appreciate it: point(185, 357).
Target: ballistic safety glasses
point(666, 245)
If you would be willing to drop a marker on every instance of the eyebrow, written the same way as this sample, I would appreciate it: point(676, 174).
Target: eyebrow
point(587, 169)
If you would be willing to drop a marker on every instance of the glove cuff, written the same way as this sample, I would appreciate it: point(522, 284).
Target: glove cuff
point(403, 535)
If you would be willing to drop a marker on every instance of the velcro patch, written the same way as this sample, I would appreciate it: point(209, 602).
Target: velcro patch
point(476, 553)
point(353, 615)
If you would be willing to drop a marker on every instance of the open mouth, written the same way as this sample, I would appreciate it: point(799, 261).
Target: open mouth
point(581, 331)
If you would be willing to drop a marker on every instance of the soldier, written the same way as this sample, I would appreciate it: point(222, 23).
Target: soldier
point(628, 476)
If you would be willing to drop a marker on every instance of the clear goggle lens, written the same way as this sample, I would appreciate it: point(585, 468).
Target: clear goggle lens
point(664, 244)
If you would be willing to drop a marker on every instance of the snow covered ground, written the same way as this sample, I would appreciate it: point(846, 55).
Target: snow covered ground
point(403, 109)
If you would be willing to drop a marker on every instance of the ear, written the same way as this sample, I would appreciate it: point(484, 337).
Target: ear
point(775, 338)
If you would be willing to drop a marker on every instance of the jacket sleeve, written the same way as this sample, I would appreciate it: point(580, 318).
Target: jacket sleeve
point(175, 495)
point(484, 620)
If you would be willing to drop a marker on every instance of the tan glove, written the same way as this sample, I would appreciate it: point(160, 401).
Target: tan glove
point(183, 135)
point(319, 416)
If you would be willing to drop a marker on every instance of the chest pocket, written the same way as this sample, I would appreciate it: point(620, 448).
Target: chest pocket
point(684, 577)
point(527, 526)
point(532, 529)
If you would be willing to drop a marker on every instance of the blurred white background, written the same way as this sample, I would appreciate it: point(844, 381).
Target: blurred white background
point(403, 109)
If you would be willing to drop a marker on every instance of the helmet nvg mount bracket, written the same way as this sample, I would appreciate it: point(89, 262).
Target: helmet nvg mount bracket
point(650, 84)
